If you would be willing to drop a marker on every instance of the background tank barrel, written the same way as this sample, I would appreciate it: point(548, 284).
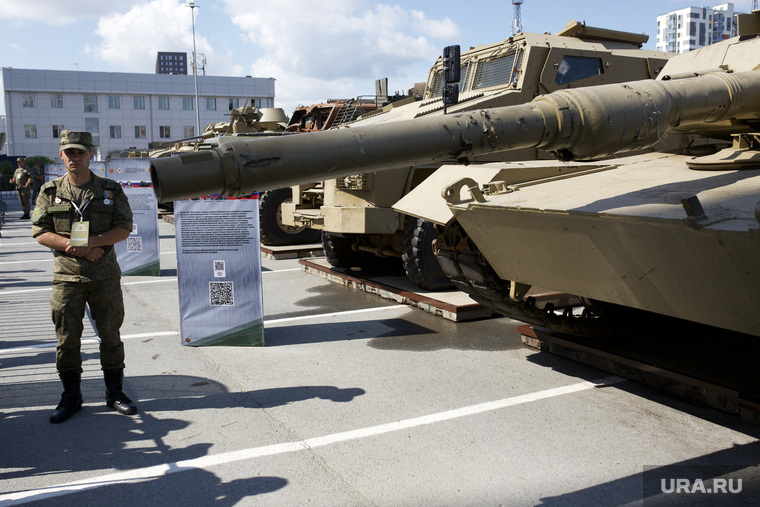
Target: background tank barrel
point(581, 123)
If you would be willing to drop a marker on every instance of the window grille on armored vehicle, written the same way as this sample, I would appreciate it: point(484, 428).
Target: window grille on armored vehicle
point(496, 72)
point(479, 73)
point(437, 86)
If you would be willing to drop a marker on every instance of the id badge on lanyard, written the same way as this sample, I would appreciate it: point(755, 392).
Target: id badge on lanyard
point(80, 231)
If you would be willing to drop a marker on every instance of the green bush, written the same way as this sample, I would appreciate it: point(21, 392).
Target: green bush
point(30, 161)
point(7, 168)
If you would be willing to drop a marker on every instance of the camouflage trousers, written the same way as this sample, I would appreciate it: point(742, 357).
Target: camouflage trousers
point(23, 196)
point(106, 304)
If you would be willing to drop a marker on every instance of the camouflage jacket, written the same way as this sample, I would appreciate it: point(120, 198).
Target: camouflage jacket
point(37, 171)
point(108, 208)
point(21, 176)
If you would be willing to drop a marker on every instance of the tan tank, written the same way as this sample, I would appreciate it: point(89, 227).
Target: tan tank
point(356, 212)
point(656, 232)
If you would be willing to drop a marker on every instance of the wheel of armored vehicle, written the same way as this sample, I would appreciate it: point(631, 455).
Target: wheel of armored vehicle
point(420, 264)
point(273, 231)
point(340, 253)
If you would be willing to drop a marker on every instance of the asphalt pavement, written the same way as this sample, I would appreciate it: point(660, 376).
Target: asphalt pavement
point(354, 400)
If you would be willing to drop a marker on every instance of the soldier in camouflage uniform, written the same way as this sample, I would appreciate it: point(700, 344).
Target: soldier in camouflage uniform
point(38, 178)
point(84, 275)
point(22, 178)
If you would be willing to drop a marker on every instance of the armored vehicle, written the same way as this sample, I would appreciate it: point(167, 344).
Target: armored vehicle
point(247, 121)
point(356, 212)
point(332, 113)
point(665, 236)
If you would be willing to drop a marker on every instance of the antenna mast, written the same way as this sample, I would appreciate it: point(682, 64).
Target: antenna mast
point(517, 25)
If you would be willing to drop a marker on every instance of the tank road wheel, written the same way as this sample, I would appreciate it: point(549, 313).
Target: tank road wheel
point(420, 263)
point(273, 232)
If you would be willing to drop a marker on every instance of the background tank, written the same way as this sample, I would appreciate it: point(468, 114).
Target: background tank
point(356, 212)
point(713, 262)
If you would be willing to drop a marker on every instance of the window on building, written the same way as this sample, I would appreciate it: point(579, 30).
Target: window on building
point(234, 103)
point(164, 132)
point(140, 132)
point(114, 102)
point(115, 131)
point(187, 103)
point(188, 132)
point(27, 100)
point(57, 131)
point(210, 104)
point(92, 125)
point(90, 103)
point(30, 131)
point(256, 102)
point(56, 100)
point(163, 103)
point(138, 102)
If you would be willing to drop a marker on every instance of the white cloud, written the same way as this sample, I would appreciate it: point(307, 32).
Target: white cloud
point(54, 12)
point(134, 37)
point(337, 48)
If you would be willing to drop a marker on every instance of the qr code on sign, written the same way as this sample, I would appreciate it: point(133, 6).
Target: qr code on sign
point(134, 244)
point(221, 294)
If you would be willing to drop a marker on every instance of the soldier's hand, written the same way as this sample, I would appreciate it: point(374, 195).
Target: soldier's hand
point(94, 254)
point(77, 251)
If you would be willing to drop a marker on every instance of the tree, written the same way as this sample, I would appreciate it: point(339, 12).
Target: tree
point(30, 161)
point(6, 170)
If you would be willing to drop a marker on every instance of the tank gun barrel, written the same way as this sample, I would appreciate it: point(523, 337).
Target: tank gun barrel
point(581, 123)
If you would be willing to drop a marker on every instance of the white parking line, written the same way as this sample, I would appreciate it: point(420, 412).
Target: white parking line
point(267, 323)
point(85, 341)
point(160, 280)
point(29, 261)
point(205, 462)
point(332, 314)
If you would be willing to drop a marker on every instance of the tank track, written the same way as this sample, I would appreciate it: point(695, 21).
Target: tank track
point(471, 273)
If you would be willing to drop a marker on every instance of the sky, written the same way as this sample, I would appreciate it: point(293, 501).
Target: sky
point(315, 49)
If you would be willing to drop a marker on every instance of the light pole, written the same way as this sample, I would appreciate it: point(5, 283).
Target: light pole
point(191, 4)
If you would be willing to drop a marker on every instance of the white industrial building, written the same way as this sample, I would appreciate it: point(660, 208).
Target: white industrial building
point(121, 110)
point(690, 28)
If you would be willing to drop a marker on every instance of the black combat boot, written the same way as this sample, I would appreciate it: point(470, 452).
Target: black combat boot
point(115, 398)
point(71, 399)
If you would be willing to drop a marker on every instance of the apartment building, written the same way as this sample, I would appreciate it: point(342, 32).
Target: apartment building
point(690, 28)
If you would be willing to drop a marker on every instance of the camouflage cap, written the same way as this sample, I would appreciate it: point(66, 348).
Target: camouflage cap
point(19, 159)
point(75, 139)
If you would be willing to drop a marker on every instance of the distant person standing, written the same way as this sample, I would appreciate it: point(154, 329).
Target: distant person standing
point(38, 178)
point(22, 178)
point(81, 216)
